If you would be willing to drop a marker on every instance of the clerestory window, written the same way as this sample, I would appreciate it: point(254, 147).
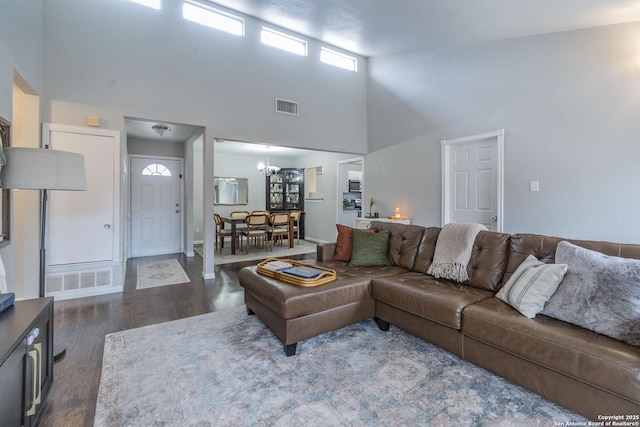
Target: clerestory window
point(153, 4)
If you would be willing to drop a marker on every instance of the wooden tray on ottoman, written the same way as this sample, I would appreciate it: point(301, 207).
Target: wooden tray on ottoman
point(327, 275)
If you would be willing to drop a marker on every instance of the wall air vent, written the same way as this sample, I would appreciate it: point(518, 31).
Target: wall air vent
point(286, 107)
point(77, 280)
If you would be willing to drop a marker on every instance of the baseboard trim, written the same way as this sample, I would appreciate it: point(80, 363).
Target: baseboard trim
point(314, 240)
point(62, 296)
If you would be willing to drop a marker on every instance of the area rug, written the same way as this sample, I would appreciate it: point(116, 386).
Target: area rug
point(228, 369)
point(259, 253)
point(160, 273)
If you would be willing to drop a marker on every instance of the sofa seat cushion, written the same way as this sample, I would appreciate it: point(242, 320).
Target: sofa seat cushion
point(571, 350)
point(438, 300)
point(290, 301)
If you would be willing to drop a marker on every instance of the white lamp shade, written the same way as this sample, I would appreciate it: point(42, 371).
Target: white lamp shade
point(42, 169)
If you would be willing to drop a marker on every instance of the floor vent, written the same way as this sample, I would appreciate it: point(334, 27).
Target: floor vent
point(75, 280)
point(286, 107)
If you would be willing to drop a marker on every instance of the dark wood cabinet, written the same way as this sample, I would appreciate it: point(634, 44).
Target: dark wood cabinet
point(285, 193)
point(285, 190)
point(26, 360)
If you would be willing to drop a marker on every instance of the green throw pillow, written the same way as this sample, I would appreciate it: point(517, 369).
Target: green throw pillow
point(369, 249)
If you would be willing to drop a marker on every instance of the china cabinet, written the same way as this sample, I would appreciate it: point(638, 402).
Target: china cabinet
point(285, 190)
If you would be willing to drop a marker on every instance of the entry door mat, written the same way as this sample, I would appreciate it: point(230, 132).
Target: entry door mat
point(164, 272)
point(228, 369)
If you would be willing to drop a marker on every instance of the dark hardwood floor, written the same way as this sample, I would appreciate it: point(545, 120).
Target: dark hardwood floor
point(81, 325)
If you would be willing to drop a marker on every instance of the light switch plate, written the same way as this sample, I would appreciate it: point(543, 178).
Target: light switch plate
point(534, 186)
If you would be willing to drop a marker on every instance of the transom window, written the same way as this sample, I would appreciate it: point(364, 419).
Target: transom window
point(153, 4)
point(205, 15)
point(156, 169)
point(338, 59)
point(283, 41)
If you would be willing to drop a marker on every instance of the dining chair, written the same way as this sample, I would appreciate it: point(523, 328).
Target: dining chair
point(279, 227)
point(256, 228)
point(295, 224)
point(221, 233)
point(239, 215)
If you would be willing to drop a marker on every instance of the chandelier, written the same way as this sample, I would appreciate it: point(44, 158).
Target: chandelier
point(267, 170)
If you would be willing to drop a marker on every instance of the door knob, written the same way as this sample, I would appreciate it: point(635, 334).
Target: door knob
point(494, 218)
point(177, 210)
point(107, 226)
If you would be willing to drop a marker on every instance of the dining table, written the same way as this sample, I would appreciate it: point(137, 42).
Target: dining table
point(234, 231)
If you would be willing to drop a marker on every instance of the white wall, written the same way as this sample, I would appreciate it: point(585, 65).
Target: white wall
point(197, 226)
point(150, 147)
point(115, 58)
point(569, 103)
point(243, 166)
point(21, 50)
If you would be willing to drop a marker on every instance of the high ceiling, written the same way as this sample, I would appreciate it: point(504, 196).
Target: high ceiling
point(381, 27)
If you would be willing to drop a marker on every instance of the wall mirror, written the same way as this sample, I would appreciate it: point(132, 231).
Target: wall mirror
point(5, 197)
point(230, 191)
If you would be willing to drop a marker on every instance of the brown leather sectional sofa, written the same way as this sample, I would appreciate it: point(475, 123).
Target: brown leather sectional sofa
point(589, 373)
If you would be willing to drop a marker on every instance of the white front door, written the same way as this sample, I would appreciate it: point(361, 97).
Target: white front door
point(156, 206)
point(472, 179)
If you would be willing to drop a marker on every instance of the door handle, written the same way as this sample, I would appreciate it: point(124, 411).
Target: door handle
point(36, 356)
point(107, 226)
point(494, 218)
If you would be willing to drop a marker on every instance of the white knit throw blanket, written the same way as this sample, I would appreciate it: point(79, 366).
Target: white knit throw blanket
point(453, 250)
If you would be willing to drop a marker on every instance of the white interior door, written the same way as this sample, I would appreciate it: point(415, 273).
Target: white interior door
point(82, 223)
point(156, 206)
point(472, 189)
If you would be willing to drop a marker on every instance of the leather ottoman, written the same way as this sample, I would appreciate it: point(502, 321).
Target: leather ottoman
point(296, 313)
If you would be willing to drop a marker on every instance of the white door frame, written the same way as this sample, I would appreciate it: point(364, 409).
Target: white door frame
point(182, 209)
point(446, 172)
point(341, 180)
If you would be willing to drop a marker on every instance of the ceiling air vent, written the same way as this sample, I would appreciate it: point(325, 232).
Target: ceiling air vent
point(286, 107)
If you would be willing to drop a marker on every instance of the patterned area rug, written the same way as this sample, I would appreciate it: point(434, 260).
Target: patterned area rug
point(160, 273)
point(228, 369)
point(259, 253)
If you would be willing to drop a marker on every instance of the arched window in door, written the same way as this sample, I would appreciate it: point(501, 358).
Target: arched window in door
point(156, 169)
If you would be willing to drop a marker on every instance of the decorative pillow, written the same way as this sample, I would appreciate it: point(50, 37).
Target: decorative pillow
point(531, 286)
point(600, 293)
point(343, 243)
point(369, 249)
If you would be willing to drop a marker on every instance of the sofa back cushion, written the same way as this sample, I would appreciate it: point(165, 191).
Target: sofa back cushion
point(486, 264)
point(544, 248)
point(488, 260)
point(403, 242)
point(426, 249)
